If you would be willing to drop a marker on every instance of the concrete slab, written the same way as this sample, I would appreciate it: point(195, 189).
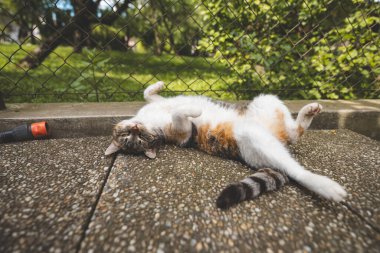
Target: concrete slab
point(47, 190)
point(168, 204)
point(70, 110)
point(68, 120)
point(125, 109)
point(353, 159)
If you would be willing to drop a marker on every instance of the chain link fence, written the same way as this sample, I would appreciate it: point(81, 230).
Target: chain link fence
point(111, 50)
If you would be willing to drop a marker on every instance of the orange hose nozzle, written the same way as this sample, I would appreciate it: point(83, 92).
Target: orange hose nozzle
point(39, 129)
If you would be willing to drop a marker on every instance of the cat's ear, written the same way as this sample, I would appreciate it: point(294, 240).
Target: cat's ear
point(151, 153)
point(111, 149)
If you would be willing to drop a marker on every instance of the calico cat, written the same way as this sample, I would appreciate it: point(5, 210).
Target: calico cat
point(255, 133)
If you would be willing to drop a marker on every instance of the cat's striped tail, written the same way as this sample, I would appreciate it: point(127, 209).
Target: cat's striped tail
point(250, 187)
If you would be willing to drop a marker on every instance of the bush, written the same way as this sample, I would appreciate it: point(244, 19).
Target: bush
point(297, 49)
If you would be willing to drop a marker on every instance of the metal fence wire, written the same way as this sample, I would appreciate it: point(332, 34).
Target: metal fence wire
point(111, 50)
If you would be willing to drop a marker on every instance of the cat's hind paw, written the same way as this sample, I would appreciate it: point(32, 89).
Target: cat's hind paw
point(326, 188)
point(313, 109)
point(307, 113)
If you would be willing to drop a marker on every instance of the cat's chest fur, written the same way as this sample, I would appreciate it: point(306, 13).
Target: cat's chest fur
point(212, 131)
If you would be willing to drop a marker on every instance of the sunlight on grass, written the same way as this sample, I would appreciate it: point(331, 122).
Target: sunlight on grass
point(122, 76)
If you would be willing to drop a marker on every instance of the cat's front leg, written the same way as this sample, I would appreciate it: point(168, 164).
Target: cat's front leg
point(180, 117)
point(150, 93)
point(180, 129)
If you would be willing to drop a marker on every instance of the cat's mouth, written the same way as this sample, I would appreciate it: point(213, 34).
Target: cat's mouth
point(149, 152)
point(134, 147)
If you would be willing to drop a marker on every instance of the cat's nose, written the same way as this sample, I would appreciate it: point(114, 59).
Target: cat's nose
point(135, 129)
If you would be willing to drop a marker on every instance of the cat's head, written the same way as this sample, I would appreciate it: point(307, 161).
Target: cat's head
point(133, 137)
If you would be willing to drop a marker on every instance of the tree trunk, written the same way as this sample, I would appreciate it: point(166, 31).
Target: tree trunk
point(52, 42)
point(32, 38)
point(171, 36)
point(157, 43)
point(23, 31)
point(157, 50)
point(2, 103)
point(84, 10)
point(168, 28)
point(78, 28)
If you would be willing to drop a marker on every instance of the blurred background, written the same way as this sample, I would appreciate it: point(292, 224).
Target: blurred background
point(110, 50)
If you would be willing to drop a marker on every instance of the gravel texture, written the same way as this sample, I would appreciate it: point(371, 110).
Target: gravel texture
point(168, 204)
point(47, 189)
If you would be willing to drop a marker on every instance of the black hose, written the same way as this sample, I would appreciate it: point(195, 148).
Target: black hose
point(19, 133)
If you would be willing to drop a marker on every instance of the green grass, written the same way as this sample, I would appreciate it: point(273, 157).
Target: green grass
point(70, 77)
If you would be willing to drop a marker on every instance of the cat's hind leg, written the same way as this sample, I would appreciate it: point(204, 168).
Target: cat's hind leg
point(181, 127)
point(260, 149)
point(307, 113)
point(304, 118)
point(271, 112)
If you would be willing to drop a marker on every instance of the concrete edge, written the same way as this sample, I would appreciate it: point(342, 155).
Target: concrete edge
point(71, 120)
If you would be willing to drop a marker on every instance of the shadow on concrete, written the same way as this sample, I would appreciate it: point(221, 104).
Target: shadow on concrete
point(366, 123)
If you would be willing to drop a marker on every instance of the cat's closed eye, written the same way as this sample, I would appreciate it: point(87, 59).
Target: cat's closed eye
point(125, 134)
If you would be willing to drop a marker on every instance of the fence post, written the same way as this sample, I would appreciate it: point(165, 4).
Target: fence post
point(2, 103)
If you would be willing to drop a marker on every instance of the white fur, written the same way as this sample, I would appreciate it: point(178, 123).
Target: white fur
point(257, 145)
point(150, 93)
point(253, 185)
point(306, 114)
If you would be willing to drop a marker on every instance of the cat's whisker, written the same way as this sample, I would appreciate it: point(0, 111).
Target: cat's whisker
point(115, 121)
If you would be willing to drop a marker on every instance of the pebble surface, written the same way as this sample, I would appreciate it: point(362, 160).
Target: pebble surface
point(47, 189)
point(168, 204)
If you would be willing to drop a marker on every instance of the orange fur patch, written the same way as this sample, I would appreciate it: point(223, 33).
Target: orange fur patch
point(218, 141)
point(300, 131)
point(279, 128)
point(203, 137)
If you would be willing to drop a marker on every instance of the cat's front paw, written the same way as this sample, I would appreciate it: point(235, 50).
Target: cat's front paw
point(326, 187)
point(154, 88)
point(194, 112)
point(189, 111)
point(159, 85)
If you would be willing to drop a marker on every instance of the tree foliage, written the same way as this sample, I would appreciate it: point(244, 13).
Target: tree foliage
point(295, 48)
point(59, 26)
point(27, 15)
point(164, 25)
point(299, 49)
